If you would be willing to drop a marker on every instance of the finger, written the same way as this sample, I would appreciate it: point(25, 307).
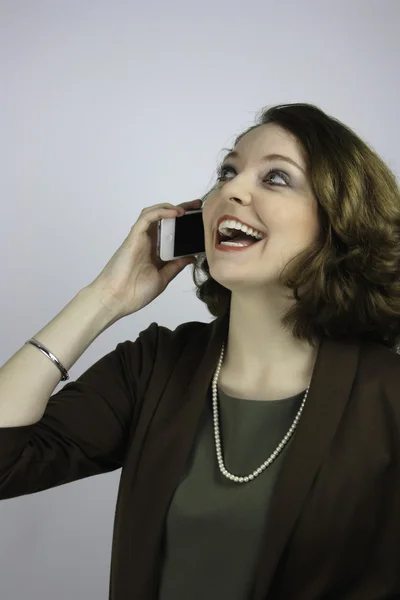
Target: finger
point(147, 209)
point(148, 218)
point(192, 204)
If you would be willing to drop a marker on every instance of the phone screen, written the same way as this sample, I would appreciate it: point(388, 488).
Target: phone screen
point(189, 234)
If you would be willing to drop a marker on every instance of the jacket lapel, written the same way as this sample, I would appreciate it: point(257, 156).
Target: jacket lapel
point(331, 383)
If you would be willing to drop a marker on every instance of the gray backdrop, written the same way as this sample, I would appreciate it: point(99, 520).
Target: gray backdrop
point(108, 107)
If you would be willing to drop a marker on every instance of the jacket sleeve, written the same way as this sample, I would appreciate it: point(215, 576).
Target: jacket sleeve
point(86, 426)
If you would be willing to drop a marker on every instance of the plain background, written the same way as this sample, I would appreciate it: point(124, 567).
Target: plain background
point(108, 107)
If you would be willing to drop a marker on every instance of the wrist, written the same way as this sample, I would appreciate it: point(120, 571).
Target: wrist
point(102, 304)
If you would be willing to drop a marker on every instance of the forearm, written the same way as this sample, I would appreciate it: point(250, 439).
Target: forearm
point(28, 378)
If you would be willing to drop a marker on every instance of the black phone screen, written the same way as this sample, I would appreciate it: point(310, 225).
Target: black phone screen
point(189, 234)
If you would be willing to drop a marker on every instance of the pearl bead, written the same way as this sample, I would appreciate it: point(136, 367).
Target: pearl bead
point(218, 445)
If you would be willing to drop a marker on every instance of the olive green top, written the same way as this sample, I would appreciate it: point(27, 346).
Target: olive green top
point(215, 526)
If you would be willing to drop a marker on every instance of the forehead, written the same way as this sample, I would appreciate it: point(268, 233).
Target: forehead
point(270, 139)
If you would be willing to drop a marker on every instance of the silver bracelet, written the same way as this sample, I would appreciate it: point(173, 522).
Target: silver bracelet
point(51, 356)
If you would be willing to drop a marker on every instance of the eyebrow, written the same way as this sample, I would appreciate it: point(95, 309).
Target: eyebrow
point(235, 154)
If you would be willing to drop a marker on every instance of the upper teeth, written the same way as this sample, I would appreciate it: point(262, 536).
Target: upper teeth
point(228, 224)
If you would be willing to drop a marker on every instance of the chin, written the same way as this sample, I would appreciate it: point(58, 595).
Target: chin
point(239, 277)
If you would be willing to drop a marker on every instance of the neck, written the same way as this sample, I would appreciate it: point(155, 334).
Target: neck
point(259, 349)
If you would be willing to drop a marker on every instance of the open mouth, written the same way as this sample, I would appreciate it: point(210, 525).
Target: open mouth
point(236, 239)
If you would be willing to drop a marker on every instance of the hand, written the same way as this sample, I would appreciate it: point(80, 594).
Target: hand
point(135, 275)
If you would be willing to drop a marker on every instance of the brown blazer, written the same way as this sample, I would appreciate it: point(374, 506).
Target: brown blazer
point(334, 527)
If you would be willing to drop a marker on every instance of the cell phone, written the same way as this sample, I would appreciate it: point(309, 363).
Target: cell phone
point(181, 236)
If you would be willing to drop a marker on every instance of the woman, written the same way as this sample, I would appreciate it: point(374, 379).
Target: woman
point(260, 452)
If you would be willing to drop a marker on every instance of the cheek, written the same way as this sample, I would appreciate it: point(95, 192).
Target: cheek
point(310, 226)
point(209, 217)
point(291, 236)
point(300, 224)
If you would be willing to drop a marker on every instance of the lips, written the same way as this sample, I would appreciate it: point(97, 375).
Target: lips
point(233, 218)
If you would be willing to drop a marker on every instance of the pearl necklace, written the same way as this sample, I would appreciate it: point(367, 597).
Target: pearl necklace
point(218, 447)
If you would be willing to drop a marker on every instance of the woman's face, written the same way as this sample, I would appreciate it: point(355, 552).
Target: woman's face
point(281, 204)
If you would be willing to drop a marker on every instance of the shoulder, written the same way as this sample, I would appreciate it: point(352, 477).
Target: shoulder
point(381, 368)
point(159, 339)
point(385, 361)
point(157, 350)
point(183, 334)
point(190, 338)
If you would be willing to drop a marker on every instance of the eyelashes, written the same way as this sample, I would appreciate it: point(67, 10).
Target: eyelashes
point(229, 168)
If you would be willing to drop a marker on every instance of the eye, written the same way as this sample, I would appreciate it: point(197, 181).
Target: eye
point(229, 168)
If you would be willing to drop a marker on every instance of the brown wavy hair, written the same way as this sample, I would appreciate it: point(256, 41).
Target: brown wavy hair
point(347, 283)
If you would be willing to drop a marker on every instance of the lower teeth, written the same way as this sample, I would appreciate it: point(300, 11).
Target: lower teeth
point(234, 244)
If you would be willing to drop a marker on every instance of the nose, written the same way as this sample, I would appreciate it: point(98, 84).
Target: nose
point(234, 193)
point(243, 199)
